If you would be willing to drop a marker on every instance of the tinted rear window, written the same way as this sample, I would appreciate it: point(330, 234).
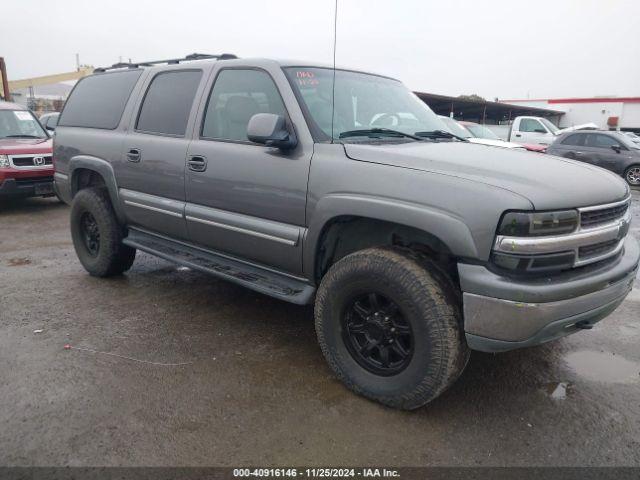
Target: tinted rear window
point(99, 100)
point(576, 139)
point(168, 102)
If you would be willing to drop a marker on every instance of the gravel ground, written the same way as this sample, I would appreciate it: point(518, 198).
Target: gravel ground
point(171, 367)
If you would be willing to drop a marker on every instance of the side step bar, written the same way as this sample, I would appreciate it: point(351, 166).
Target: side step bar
point(254, 277)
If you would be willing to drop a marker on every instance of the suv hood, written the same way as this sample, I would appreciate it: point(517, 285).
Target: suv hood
point(17, 146)
point(494, 143)
point(548, 182)
point(582, 126)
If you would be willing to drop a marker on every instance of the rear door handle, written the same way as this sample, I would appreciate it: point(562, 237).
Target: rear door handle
point(133, 155)
point(197, 163)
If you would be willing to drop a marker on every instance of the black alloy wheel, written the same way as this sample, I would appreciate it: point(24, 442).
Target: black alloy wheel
point(377, 335)
point(90, 233)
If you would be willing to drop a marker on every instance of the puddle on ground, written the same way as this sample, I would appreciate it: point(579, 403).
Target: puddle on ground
point(603, 367)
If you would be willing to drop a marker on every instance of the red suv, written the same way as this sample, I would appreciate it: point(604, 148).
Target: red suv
point(26, 166)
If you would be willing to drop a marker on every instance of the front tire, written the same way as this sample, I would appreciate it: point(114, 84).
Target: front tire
point(389, 325)
point(632, 175)
point(97, 236)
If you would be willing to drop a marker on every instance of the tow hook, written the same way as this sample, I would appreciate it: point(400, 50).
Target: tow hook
point(584, 325)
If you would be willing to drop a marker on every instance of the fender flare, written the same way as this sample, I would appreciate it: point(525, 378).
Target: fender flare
point(449, 229)
point(105, 170)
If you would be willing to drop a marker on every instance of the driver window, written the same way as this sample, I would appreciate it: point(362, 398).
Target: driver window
point(598, 140)
point(530, 125)
point(237, 95)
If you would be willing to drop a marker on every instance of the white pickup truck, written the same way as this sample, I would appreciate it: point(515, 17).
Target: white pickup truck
point(533, 130)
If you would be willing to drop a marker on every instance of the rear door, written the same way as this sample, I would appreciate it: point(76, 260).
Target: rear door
point(572, 146)
point(151, 172)
point(244, 199)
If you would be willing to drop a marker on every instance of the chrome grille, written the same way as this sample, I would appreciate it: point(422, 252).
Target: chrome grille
point(597, 249)
point(600, 235)
point(591, 218)
point(31, 160)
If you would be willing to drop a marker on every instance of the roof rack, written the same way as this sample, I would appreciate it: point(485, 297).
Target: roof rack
point(171, 61)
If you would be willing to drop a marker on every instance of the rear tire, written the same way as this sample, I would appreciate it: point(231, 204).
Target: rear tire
point(415, 298)
point(97, 235)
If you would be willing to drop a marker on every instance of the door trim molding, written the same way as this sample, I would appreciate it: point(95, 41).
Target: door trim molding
point(153, 209)
point(286, 241)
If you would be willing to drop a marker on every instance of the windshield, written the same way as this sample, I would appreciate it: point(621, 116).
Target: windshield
point(362, 101)
point(480, 131)
point(550, 126)
point(634, 138)
point(628, 141)
point(455, 128)
point(20, 124)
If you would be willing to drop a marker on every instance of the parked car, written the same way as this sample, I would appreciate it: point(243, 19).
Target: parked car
point(26, 168)
point(49, 121)
point(414, 246)
point(529, 131)
point(460, 129)
point(612, 150)
point(482, 132)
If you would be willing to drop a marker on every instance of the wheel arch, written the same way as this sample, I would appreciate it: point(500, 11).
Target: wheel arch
point(87, 171)
point(343, 224)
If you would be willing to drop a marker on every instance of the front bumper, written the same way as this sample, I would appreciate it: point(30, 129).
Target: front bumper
point(12, 187)
point(62, 187)
point(503, 314)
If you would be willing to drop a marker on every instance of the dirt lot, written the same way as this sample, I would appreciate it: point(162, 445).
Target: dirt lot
point(171, 367)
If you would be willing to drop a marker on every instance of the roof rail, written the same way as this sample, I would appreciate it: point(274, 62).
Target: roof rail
point(171, 61)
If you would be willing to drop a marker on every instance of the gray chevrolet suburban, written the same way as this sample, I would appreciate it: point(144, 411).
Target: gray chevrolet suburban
point(342, 188)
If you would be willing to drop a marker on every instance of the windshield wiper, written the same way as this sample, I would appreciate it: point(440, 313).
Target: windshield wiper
point(22, 136)
point(440, 134)
point(376, 133)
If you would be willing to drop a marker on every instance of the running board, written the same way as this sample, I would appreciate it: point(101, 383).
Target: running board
point(254, 277)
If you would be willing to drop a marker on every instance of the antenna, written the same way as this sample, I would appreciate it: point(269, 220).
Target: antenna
point(333, 92)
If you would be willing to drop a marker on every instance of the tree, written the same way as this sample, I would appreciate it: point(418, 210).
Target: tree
point(473, 98)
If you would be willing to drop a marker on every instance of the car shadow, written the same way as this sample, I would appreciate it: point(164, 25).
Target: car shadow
point(29, 205)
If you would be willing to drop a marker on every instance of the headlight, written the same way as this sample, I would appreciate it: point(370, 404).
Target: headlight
point(533, 224)
point(4, 161)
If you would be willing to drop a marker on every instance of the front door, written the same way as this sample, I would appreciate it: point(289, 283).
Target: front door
point(245, 199)
point(530, 130)
point(605, 155)
point(151, 173)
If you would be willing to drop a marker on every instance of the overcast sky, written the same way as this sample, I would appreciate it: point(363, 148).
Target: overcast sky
point(494, 48)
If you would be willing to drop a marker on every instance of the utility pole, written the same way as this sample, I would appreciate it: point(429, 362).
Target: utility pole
point(5, 83)
point(77, 62)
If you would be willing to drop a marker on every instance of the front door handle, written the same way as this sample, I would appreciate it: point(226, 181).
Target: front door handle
point(518, 135)
point(133, 155)
point(197, 163)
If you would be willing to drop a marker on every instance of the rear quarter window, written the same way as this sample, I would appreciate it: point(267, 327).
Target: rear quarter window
point(98, 101)
point(168, 102)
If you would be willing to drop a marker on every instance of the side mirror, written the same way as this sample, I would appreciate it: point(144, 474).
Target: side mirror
point(540, 130)
point(50, 128)
point(616, 148)
point(271, 130)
